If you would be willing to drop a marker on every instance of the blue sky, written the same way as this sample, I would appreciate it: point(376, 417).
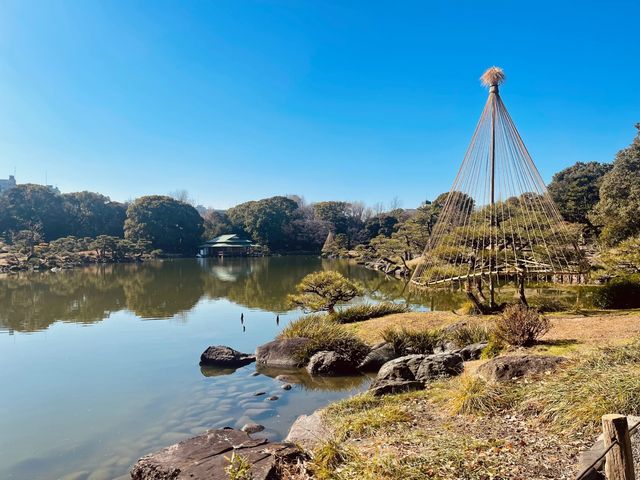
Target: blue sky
point(238, 100)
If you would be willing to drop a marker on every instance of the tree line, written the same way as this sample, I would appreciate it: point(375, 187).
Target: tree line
point(602, 199)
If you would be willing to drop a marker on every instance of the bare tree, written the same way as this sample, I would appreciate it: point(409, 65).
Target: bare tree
point(395, 204)
point(182, 196)
point(378, 208)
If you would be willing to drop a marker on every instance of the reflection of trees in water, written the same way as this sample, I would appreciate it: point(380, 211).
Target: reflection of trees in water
point(262, 282)
point(161, 290)
point(33, 301)
point(30, 302)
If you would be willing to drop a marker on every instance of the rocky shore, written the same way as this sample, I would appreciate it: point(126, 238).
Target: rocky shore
point(206, 456)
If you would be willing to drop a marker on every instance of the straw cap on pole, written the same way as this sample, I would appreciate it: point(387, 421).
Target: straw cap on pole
point(493, 77)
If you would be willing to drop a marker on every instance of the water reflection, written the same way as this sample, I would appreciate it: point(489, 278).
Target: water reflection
point(308, 382)
point(165, 289)
point(33, 301)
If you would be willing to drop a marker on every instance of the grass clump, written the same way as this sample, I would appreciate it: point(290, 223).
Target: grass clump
point(406, 342)
point(618, 293)
point(366, 415)
point(470, 394)
point(466, 334)
point(239, 468)
point(325, 335)
point(520, 326)
point(359, 313)
point(493, 348)
point(328, 457)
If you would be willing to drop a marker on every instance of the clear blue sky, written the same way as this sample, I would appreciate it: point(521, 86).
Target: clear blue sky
point(237, 100)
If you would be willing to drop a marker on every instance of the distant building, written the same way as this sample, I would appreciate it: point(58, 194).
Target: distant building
point(230, 245)
point(7, 183)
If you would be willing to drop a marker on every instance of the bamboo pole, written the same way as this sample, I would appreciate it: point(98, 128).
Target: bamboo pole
point(619, 460)
point(493, 90)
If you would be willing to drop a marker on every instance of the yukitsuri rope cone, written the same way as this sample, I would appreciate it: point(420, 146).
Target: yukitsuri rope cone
point(498, 223)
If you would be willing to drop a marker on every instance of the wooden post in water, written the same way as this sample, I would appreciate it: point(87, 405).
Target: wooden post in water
point(619, 460)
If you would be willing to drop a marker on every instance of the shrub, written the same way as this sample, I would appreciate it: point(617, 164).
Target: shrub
point(406, 342)
point(618, 293)
point(325, 335)
point(466, 334)
point(521, 326)
point(359, 313)
point(322, 291)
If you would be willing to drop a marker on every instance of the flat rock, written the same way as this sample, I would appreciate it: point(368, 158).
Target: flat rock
point(205, 457)
point(330, 364)
point(222, 356)
point(378, 356)
point(281, 353)
point(503, 369)
point(308, 431)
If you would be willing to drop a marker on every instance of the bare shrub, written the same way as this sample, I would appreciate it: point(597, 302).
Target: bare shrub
point(520, 325)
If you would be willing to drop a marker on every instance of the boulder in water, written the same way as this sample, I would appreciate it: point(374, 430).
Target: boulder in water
point(221, 356)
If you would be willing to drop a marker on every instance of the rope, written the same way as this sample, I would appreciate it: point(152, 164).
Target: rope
point(500, 229)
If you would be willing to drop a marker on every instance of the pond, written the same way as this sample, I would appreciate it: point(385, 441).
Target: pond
point(100, 365)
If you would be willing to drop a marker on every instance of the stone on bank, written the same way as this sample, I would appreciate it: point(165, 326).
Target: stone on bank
point(206, 456)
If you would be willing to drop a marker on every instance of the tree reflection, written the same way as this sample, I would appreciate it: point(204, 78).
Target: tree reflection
point(33, 301)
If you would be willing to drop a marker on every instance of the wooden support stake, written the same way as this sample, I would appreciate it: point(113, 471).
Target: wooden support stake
point(619, 460)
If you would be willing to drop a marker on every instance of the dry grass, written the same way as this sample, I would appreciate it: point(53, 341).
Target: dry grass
point(406, 342)
point(570, 333)
point(371, 330)
point(468, 428)
point(469, 394)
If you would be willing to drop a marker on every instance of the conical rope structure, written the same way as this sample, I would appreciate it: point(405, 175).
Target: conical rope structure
point(498, 222)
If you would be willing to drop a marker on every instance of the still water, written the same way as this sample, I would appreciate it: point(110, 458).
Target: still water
point(99, 366)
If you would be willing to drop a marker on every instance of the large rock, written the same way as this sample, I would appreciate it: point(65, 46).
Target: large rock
point(205, 457)
point(308, 431)
point(502, 369)
point(330, 364)
point(473, 351)
point(377, 357)
point(221, 356)
point(411, 372)
point(281, 353)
